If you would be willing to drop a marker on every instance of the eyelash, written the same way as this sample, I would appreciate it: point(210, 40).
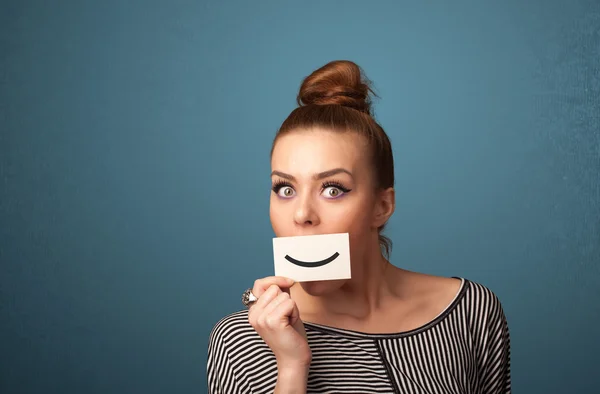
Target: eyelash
point(337, 185)
point(280, 184)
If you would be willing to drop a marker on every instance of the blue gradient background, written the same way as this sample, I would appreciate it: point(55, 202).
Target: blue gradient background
point(134, 172)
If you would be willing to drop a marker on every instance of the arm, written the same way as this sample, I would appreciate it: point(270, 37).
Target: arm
point(219, 372)
point(495, 367)
point(276, 318)
point(291, 381)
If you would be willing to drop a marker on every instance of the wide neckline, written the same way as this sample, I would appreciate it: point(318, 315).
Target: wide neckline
point(424, 327)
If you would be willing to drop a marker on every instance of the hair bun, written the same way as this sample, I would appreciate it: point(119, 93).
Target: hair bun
point(339, 82)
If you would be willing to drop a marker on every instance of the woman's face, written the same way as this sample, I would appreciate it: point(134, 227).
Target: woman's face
point(322, 183)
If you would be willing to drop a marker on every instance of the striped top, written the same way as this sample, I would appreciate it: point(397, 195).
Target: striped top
point(465, 349)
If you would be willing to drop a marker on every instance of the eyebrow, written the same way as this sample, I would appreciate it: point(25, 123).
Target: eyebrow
point(320, 175)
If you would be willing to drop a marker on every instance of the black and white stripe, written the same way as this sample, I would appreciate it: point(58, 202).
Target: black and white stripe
point(466, 349)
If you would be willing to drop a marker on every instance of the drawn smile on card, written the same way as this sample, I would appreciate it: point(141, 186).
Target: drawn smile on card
point(312, 264)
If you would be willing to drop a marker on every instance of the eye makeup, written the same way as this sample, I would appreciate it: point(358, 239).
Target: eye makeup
point(337, 185)
point(280, 184)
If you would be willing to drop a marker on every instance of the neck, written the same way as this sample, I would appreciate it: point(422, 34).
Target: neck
point(359, 297)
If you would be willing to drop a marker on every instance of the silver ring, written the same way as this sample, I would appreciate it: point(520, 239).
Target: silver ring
point(248, 298)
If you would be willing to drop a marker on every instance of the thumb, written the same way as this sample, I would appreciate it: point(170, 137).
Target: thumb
point(295, 320)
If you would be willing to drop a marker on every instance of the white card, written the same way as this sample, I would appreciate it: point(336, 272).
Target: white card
point(312, 257)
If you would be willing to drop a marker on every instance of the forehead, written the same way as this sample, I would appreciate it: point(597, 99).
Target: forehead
point(316, 150)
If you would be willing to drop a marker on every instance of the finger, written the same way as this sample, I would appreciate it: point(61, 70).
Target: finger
point(295, 315)
point(268, 296)
point(255, 312)
point(281, 297)
point(280, 316)
point(261, 285)
point(266, 311)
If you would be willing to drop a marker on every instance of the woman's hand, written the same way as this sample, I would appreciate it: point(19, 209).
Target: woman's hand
point(276, 318)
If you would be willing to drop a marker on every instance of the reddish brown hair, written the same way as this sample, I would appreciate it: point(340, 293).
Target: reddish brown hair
point(337, 97)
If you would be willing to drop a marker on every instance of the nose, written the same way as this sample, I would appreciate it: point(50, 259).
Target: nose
point(305, 213)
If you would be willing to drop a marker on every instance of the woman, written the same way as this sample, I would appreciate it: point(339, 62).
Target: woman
point(385, 330)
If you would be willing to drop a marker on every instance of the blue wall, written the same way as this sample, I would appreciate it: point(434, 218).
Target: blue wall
point(134, 172)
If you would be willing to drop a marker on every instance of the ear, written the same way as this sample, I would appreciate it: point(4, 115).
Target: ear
point(385, 206)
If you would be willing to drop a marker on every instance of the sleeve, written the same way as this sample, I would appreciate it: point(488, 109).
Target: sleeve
point(219, 372)
point(495, 364)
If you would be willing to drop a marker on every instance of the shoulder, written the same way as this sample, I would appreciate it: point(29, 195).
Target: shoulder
point(231, 326)
point(233, 347)
point(431, 293)
point(478, 296)
point(481, 300)
point(490, 335)
point(233, 336)
point(483, 315)
point(455, 294)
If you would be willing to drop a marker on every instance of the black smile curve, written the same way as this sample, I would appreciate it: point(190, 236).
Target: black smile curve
point(312, 264)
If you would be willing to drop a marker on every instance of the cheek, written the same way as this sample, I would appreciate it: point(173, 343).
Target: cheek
point(280, 217)
point(355, 216)
point(357, 221)
point(273, 216)
point(351, 216)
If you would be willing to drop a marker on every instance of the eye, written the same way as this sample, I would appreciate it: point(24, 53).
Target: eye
point(286, 192)
point(334, 190)
point(283, 189)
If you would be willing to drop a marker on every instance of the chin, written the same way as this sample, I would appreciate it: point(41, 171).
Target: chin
point(321, 287)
